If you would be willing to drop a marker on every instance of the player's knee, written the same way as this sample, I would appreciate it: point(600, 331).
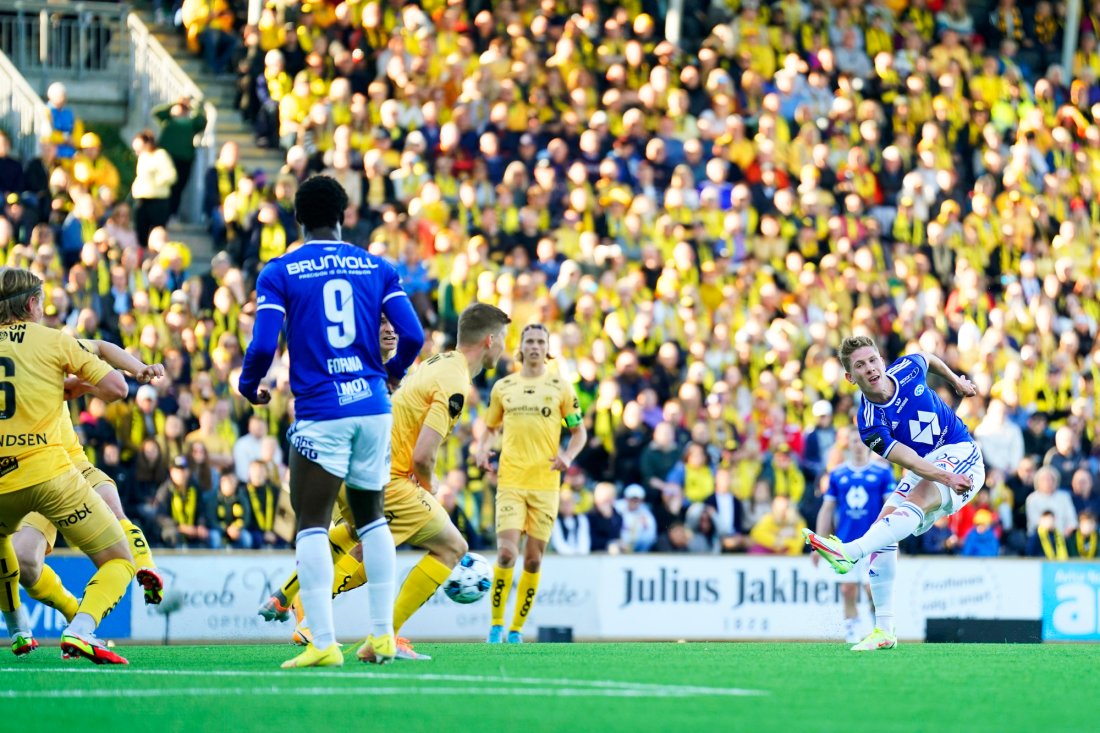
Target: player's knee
point(506, 555)
point(30, 569)
point(532, 564)
point(458, 547)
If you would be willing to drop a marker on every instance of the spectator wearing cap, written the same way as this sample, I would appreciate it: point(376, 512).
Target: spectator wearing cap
point(639, 525)
point(143, 421)
point(67, 128)
point(182, 514)
point(981, 541)
point(92, 169)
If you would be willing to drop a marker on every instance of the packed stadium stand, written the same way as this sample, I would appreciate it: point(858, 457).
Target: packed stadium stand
point(700, 199)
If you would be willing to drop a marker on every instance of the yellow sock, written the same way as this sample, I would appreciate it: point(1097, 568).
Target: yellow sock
point(50, 591)
point(341, 538)
point(421, 583)
point(350, 574)
point(9, 576)
point(139, 547)
point(106, 587)
point(502, 586)
point(525, 599)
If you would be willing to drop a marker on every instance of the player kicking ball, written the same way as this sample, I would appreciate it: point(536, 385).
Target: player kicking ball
point(900, 418)
point(857, 492)
point(529, 408)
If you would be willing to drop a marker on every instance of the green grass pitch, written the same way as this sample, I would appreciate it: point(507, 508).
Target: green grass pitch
point(786, 688)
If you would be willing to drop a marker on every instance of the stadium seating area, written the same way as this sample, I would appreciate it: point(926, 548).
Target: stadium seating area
point(700, 223)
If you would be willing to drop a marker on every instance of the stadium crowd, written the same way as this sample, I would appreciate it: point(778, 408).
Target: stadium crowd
point(699, 224)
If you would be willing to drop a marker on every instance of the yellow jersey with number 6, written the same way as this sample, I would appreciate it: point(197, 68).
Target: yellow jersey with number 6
point(34, 361)
point(531, 411)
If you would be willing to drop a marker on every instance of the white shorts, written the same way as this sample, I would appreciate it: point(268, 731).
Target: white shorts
point(964, 458)
point(861, 573)
point(354, 449)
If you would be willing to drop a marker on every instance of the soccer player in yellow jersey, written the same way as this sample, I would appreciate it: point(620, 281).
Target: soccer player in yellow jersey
point(425, 410)
point(36, 473)
point(36, 535)
point(529, 407)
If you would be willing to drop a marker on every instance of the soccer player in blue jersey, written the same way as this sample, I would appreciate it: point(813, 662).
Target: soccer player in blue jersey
point(858, 490)
point(332, 296)
point(900, 418)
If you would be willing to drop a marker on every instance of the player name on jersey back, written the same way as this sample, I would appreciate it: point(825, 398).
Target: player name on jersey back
point(332, 294)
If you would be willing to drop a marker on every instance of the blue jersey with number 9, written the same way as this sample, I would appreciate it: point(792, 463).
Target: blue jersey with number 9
point(332, 295)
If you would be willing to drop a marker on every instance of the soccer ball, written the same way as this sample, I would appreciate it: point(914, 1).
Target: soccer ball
point(470, 580)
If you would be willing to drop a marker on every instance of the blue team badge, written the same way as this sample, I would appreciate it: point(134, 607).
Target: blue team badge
point(919, 390)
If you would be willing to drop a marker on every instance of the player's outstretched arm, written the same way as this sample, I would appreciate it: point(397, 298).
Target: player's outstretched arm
point(119, 358)
point(961, 384)
point(257, 360)
point(423, 457)
point(906, 457)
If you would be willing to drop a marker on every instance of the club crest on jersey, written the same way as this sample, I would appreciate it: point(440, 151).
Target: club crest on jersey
point(919, 390)
point(926, 428)
point(454, 405)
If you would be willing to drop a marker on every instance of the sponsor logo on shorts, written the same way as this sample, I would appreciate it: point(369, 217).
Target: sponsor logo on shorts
point(79, 514)
point(8, 464)
point(305, 446)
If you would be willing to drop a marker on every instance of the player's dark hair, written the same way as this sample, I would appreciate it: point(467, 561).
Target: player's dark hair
point(479, 320)
point(320, 203)
point(852, 344)
point(17, 287)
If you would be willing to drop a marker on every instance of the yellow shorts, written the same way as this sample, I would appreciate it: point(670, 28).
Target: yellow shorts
point(34, 520)
point(70, 504)
point(415, 516)
point(532, 512)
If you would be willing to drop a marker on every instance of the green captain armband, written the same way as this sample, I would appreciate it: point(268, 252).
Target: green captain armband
point(572, 421)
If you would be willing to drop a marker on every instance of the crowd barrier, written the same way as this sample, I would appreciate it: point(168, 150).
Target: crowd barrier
point(631, 597)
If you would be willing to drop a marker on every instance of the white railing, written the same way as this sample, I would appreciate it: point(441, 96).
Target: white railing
point(23, 114)
point(156, 78)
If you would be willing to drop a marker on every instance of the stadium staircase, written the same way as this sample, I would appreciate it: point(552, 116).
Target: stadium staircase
point(228, 125)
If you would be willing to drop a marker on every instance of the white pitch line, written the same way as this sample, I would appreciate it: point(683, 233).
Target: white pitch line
point(641, 688)
point(68, 693)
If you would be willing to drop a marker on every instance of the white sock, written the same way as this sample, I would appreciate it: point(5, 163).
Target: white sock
point(884, 566)
point(82, 624)
point(17, 622)
point(380, 563)
point(315, 575)
point(887, 531)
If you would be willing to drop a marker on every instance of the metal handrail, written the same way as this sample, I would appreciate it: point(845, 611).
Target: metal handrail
point(157, 78)
point(44, 38)
point(25, 116)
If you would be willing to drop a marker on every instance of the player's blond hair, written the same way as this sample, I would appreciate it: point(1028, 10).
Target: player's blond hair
point(852, 344)
point(17, 287)
point(479, 320)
